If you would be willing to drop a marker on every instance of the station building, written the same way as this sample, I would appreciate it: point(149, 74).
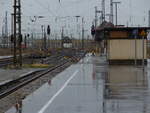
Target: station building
point(124, 45)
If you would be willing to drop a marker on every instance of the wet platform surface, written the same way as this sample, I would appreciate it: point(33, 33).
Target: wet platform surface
point(91, 86)
point(127, 90)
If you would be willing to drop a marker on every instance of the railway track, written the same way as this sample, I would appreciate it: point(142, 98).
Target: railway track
point(12, 86)
point(6, 61)
point(9, 60)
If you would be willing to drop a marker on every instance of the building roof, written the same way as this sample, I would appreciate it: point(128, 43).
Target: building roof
point(105, 24)
point(124, 28)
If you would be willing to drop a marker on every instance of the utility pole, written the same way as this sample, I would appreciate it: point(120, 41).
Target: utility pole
point(17, 33)
point(25, 41)
point(45, 40)
point(12, 32)
point(44, 37)
point(116, 5)
point(82, 33)
point(149, 19)
point(6, 30)
point(3, 35)
point(62, 37)
point(103, 10)
point(95, 16)
point(111, 11)
point(78, 31)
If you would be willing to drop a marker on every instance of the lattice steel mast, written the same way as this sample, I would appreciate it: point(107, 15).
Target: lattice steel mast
point(17, 33)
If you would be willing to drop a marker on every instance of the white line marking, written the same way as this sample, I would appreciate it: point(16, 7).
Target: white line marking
point(58, 92)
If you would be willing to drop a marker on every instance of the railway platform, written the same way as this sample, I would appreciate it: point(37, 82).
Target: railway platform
point(92, 86)
point(78, 88)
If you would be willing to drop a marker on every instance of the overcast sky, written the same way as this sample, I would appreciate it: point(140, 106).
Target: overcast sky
point(135, 12)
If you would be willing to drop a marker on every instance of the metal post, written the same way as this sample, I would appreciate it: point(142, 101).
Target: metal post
point(103, 10)
point(20, 35)
point(25, 41)
point(143, 61)
point(116, 5)
point(62, 37)
point(101, 18)
point(116, 14)
point(17, 32)
point(14, 40)
point(6, 31)
point(42, 36)
point(82, 33)
point(95, 17)
point(12, 30)
point(111, 10)
point(45, 44)
point(149, 19)
point(135, 62)
point(48, 44)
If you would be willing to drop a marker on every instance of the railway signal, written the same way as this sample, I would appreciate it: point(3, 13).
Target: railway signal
point(48, 30)
point(93, 30)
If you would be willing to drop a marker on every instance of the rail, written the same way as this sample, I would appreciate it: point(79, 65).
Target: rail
point(12, 86)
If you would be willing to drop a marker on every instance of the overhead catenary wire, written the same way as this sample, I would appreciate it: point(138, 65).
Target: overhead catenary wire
point(45, 7)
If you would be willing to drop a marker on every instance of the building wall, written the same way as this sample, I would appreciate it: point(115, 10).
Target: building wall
point(119, 34)
point(119, 49)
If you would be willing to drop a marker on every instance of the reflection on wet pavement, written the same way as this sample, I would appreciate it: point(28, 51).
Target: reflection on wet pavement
point(126, 90)
point(95, 88)
point(83, 93)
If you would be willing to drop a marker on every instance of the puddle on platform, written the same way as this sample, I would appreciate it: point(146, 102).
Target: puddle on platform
point(127, 90)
